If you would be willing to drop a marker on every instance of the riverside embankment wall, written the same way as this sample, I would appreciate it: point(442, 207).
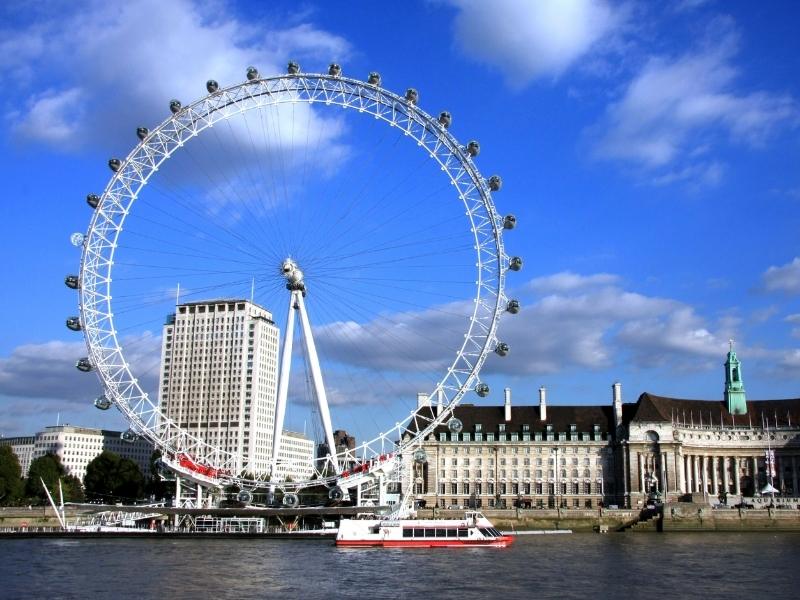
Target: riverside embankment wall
point(675, 517)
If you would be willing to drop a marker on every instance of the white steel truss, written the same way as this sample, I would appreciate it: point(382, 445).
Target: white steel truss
point(431, 136)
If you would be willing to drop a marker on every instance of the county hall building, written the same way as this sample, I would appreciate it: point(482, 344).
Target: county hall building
point(623, 454)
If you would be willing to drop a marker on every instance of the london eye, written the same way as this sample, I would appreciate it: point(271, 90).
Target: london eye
point(317, 196)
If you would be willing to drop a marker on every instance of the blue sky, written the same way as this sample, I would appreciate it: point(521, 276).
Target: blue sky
point(649, 152)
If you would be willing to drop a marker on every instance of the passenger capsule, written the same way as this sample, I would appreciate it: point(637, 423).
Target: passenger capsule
point(509, 222)
point(74, 323)
point(482, 389)
point(102, 402)
point(412, 95)
point(473, 148)
point(212, 86)
point(455, 425)
point(92, 200)
point(334, 69)
point(292, 68)
point(129, 435)
point(84, 364)
point(501, 349)
point(175, 106)
point(445, 119)
point(77, 239)
point(335, 494)
point(513, 306)
point(291, 500)
point(244, 497)
point(71, 281)
point(374, 78)
point(114, 164)
point(515, 264)
point(420, 456)
point(495, 183)
point(252, 73)
point(142, 132)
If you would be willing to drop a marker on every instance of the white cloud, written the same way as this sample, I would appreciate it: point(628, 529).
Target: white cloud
point(112, 68)
point(676, 110)
point(566, 281)
point(583, 322)
point(527, 40)
point(47, 371)
point(785, 278)
point(795, 321)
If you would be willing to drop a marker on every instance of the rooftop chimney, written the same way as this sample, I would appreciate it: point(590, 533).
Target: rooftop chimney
point(542, 404)
point(507, 393)
point(423, 400)
point(617, 396)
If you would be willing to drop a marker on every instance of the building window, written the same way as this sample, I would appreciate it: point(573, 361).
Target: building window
point(478, 427)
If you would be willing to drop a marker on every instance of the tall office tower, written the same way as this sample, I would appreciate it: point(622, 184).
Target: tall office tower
point(219, 376)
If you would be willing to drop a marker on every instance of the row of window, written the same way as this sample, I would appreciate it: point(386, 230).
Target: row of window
point(515, 489)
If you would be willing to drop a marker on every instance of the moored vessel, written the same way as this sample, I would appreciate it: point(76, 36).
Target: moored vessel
point(473, 530)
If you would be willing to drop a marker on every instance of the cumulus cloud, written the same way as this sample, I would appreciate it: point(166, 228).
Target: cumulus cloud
point(795, 321)
point(568, 321)
point(785, 278)
point(47, 371)
point(676, 109)
point(113, 68)
point(527, 40)
point(566, 281)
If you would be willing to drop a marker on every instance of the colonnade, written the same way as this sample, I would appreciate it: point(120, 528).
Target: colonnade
point(712, 473)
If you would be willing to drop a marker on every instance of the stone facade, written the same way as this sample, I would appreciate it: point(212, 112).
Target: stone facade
point(624, 454)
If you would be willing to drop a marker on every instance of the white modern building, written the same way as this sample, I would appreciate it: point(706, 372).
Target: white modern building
point(296, 456)
point(76, 447)
point(218, 378)
point(22, 447)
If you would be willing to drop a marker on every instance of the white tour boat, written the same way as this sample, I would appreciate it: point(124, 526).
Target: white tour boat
point(473, 530)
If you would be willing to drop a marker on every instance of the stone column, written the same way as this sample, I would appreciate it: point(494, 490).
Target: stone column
point(736, 477)
point(755, 473)
point(641, 472)
point(696, 470)
point(679, 473)
point(715, 475)
point(795, 491)
point(705, 474)
point(726, 482)
point(664, 478)
point(779, 470)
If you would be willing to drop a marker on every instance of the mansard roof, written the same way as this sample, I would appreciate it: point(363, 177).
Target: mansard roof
point(776, 413)
point(559, 417)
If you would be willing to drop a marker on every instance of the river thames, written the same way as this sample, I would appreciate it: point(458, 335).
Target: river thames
point(707, 565)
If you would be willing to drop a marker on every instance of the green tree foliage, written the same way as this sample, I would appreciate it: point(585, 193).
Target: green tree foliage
point(111, 478)
point(47, 468)
point(11, 485)
point(155, 485)
point(73, 490)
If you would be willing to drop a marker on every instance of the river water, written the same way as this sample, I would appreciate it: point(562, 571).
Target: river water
point(619, 566)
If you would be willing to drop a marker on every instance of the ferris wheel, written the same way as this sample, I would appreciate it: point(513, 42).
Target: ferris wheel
point(392, 249)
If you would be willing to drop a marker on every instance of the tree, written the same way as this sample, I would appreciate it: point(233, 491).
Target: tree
point(155, 485)
point(111, 478)
point(73, 490)
point(47, 468)
point(11, 485)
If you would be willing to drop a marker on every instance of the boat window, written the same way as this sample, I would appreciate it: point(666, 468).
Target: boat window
point(419, 533)
point(462, 532)
point(430, 532)
point(486, 532)
point(408, 533)
point(451, 533)
point(441, 533)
